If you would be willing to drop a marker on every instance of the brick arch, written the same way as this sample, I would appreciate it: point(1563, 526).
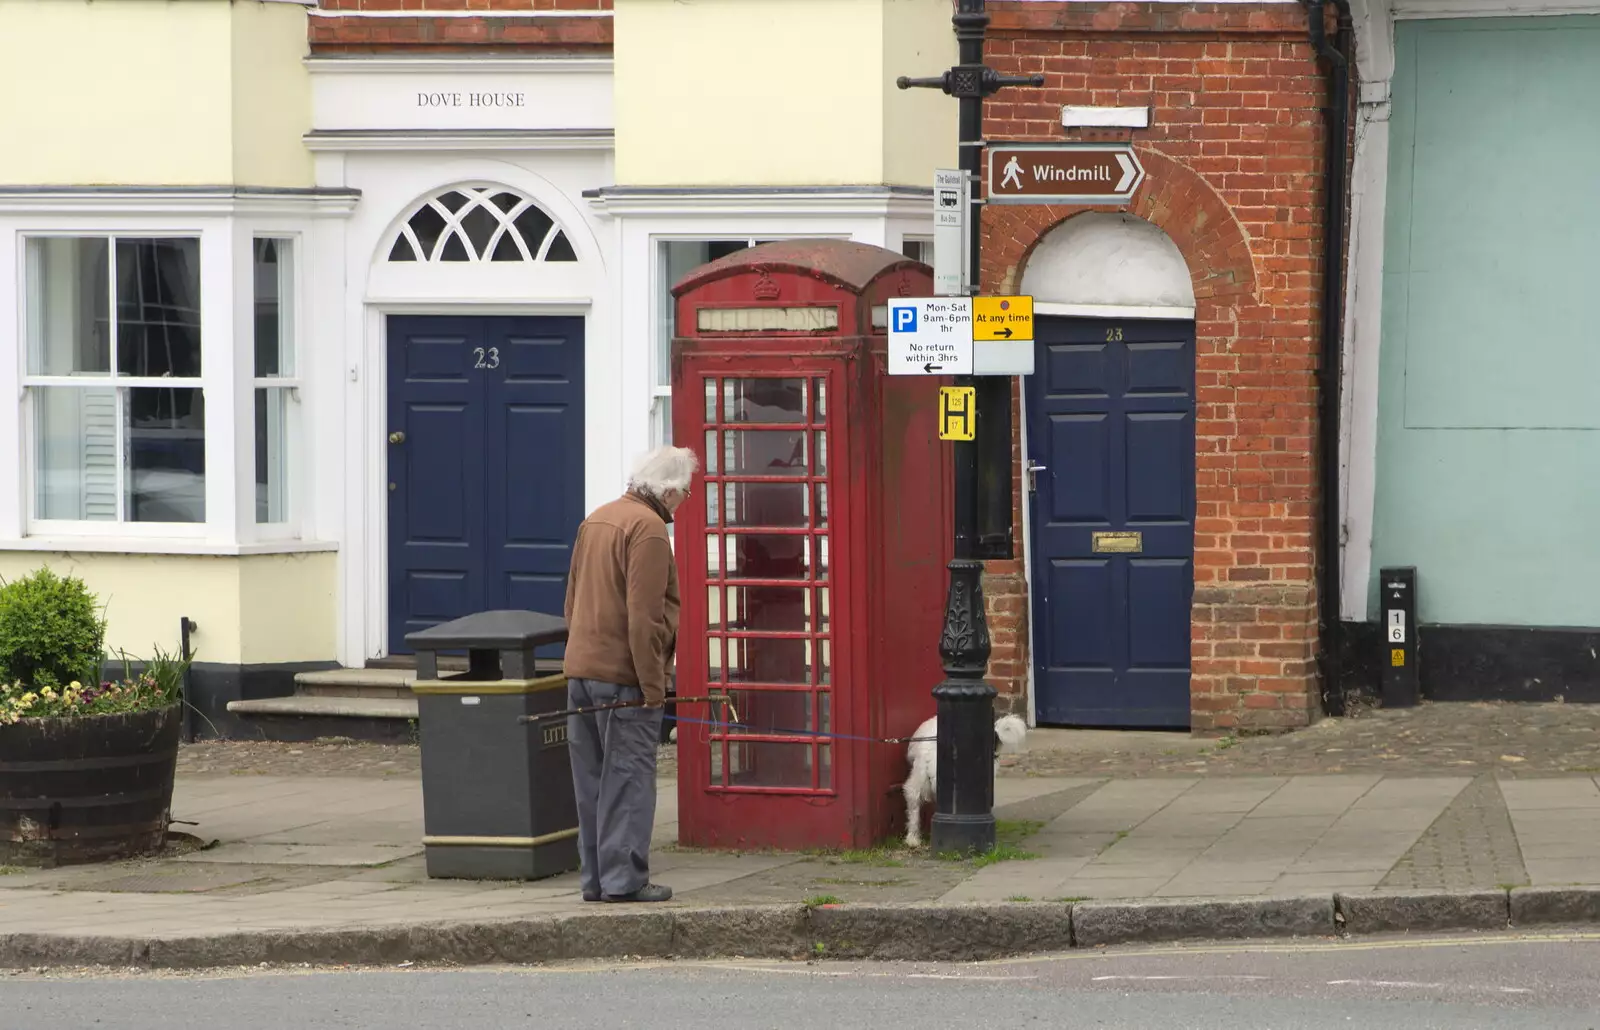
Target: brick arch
point(1175, 199)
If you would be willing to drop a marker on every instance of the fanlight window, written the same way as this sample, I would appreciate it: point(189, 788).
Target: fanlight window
point(480, 223)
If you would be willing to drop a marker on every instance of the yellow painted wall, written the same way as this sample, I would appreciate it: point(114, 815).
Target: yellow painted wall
point(250, 610)
point(919, 124)
point(288, 607)
point(271, 96)
point(152, 92)
point(749, 92)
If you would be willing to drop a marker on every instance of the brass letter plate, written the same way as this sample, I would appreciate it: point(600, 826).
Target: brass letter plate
point(1118, 543)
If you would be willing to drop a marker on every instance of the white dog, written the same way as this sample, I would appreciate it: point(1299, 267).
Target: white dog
point(923, 755)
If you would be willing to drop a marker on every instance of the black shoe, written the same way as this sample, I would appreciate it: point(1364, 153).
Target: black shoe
point(649, 892)
point(590, 897)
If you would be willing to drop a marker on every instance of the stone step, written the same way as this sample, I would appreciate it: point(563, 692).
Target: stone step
point(323, 707)
point(375, 683)
point(351, 690)
point(447, 662)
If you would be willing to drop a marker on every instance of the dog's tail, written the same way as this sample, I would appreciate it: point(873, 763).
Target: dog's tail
point(1010, 730)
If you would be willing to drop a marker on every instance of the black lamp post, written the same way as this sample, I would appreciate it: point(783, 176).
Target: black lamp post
point(964, 818)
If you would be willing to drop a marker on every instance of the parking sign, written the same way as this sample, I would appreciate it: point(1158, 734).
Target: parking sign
point(930, 336)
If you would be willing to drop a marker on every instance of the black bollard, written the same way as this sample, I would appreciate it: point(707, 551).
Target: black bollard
point(964, 820)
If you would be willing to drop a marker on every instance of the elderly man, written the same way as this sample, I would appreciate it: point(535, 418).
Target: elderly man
point(622, 620)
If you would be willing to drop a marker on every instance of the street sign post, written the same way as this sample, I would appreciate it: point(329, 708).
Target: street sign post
point(930, 336)
point(1002, 334)
point(1027, 173)
point(958, 409)
point(950, 202)
point(964, 820)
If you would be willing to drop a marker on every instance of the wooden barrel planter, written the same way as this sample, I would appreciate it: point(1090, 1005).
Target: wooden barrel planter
point(90, 789)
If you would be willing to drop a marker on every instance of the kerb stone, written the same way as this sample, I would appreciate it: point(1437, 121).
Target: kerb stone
point(1096, 923)
point(1423, 911)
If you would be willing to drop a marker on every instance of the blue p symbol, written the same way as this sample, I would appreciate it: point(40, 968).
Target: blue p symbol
point(905, 320)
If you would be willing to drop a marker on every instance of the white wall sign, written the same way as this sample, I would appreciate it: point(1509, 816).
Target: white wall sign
point(397, 94)
point(1397, 627)
point(930, 336)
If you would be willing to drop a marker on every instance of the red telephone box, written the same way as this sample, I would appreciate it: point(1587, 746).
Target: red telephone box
point(812, 565)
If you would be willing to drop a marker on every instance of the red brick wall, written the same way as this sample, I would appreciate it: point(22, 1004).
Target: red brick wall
point(542, 27)
point(1234, 160)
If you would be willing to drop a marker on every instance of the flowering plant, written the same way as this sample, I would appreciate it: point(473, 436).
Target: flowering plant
point(160, 685)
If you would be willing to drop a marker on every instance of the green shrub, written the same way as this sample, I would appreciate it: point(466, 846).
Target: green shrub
point(51, 631)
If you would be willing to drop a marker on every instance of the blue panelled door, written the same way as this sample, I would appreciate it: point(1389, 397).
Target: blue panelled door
point(1111, 419)
point(486, 462)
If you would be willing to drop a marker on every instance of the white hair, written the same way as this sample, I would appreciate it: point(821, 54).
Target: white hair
point(664, 469)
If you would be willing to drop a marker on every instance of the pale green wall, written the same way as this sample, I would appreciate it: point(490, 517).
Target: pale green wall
point(1488, 476)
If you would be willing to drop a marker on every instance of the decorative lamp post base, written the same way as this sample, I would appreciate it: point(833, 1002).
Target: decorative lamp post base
point(964, 820)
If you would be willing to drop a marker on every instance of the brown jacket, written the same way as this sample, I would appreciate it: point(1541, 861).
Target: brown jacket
point(622, 597)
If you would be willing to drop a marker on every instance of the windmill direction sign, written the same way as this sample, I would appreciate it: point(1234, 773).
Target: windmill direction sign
point(1070, 173)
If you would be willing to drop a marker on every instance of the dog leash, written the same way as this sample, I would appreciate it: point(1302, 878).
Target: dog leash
point(590, 709)
point(776, 731)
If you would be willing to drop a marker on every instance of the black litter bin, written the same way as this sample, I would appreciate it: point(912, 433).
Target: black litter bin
point(497, 800)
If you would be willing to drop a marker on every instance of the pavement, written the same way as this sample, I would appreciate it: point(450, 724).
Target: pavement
point(1106, 838)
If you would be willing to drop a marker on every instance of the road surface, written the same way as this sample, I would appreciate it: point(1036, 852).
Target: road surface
point(1486, 982)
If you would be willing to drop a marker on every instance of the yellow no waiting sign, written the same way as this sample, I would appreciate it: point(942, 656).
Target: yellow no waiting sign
point(958, 409)
point(1002, 318)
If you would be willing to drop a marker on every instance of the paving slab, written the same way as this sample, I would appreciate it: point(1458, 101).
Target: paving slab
point(362, 854)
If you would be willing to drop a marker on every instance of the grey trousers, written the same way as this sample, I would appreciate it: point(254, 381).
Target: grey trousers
point(614, 777)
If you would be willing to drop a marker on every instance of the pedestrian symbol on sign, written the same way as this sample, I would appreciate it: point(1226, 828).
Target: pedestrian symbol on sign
point(1012, 177)
point(905, 320)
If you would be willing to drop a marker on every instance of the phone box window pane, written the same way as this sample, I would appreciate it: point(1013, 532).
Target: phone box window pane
point(768, 505)
point(714, 659)
point(757, 609)
point(780, 660)
point(769, 764)
point(767, 556)
point(764, 400)
point(764, 452)
point(69, 307)
point(765, 713)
